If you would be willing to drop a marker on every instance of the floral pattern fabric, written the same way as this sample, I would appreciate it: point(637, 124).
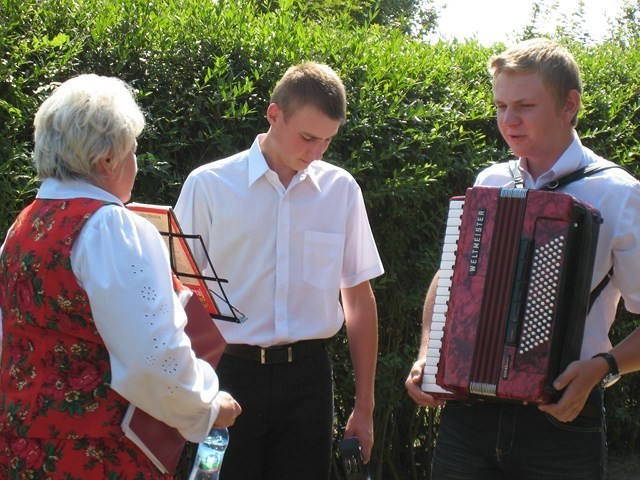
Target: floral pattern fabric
point(59, 418)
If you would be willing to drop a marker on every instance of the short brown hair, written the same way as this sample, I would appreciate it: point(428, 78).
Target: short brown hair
point(554, 63)
point(311, 83)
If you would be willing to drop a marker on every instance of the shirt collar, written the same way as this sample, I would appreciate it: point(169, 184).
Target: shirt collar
point(53, 188)
point(571, 160)
point(311, 172)
point(257, 164)
point(257, 167)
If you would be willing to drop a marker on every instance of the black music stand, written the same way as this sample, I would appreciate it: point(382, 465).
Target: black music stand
point(236, 315)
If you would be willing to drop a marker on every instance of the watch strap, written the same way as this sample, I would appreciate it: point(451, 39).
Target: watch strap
point(613, 365)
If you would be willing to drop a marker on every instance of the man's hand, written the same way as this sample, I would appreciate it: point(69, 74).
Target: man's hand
point(576, 382)
point(360, 425)
point(413, 385)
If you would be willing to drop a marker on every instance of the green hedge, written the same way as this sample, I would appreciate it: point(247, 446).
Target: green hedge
point(420, 125)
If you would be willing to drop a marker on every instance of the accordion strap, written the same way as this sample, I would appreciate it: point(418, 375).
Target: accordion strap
point(595, 167)
point(515, 173)
point(590, 169)
point(599, 288)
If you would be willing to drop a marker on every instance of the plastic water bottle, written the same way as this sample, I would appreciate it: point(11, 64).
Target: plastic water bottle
point(209, 456)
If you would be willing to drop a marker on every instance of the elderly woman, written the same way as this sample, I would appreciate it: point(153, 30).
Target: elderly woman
point(90, 319)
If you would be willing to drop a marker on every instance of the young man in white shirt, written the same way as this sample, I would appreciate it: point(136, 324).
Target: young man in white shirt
point(290, 233)
point(537, 91)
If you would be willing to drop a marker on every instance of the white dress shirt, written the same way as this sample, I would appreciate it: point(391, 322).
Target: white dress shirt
point(121, 261)
point(285, 252)
point(616, 194)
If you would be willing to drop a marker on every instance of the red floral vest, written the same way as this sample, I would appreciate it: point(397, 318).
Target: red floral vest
point(55, 375)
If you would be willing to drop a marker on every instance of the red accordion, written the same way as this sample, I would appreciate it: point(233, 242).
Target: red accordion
point(513, 294)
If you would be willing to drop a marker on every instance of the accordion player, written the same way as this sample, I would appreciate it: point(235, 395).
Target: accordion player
point(513, 293)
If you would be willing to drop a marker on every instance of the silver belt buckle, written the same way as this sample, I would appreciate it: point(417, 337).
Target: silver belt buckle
point(263, 355)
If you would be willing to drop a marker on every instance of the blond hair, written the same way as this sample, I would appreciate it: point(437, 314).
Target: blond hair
point(554, 63)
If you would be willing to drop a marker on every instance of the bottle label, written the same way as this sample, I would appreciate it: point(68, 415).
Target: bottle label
point(209, 460)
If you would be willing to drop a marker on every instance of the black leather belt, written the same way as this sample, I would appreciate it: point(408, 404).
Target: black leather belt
point(277, 354)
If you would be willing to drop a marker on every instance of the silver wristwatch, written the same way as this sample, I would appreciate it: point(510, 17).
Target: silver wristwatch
point(614, 372)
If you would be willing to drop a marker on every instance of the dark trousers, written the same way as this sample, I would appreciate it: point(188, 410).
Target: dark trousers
point(501, 441)
point(285, 429)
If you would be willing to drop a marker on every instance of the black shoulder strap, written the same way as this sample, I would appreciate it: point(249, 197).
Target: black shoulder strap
point(599, 288)
point(594, 167)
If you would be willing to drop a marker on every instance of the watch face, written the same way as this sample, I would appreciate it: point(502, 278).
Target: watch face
point(609, 379)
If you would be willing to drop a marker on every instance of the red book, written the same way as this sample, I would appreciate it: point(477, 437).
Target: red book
point(160, 442)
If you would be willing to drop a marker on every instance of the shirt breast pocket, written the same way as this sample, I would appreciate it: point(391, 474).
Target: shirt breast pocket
point(322, 259)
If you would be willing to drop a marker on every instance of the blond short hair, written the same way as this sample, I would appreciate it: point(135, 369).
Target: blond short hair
point(554, 63)
point(85, 119)
point(311, 83)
